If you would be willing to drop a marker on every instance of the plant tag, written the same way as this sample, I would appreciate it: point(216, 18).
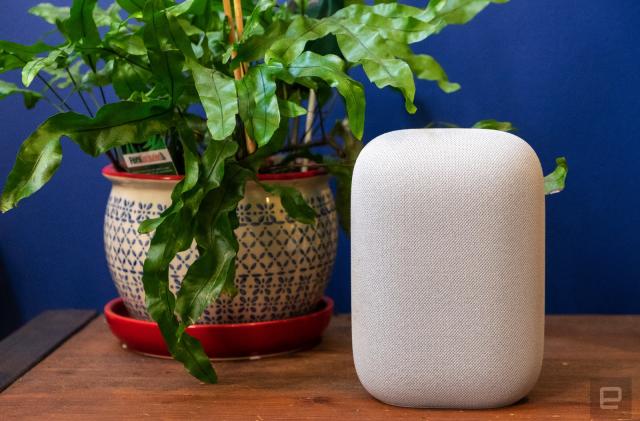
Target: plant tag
point(151, 157)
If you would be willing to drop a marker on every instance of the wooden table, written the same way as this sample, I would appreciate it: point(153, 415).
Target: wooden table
point(91, 377)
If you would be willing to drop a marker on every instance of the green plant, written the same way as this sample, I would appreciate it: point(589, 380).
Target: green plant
point(167, 60)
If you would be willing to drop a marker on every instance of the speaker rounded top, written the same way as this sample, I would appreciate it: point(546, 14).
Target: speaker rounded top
point(446, 153)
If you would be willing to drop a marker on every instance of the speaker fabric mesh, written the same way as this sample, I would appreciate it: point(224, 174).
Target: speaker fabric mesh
point(448, 268)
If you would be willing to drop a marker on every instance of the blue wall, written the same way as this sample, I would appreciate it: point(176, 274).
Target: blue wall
point(566, 73)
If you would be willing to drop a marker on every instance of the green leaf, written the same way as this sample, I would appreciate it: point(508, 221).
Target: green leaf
point(261, 15)
point(31, 69)
point(368, 48)
point(293, 202)
point(114, 125)
point(392, 21)
point(181, 8)
point(38, 159)
point(118, 124)
point(219, 98)
point(258, 104)
point(457, 12)
point(300, 31)
point(89, 80)
point(275, 145)
point(198, 8)
point(424, 67)
point(220, 201)
point(555, 182)
point(342, 170)
point(128, 79)
point(365, 35)
point(165, 59)
point(81, 27)
point(323, 8)
point(503, 126)
point(187, 193)
point(129, 44)
point(191, 174)
point(290, 109)
point(191, 155)
point(331, 70)
point(213, 272)
point(254, 47)
point(173, 235)
point(167, 67)
point(357, 43)
point(30, 97)
point(408, 24)
point(189, 352)
point(149, 225)
point(109, 17)
point(174, 232)
point(177, 36)
point(210, 274)
point(50, 13)
point(213, 161)
point(392, 72)
point(134, 7)
point(55, 15)
point(14, 56)
point(205, 280)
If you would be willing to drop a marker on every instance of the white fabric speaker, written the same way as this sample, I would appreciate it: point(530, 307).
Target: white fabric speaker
point(447, 249)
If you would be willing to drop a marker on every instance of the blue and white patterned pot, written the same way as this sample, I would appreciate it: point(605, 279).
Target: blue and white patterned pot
point(282, 268)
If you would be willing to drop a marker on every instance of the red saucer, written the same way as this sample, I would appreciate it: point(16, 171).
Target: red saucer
point(225, 341)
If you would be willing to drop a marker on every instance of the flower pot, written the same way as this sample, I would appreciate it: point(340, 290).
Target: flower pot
point(282, 267)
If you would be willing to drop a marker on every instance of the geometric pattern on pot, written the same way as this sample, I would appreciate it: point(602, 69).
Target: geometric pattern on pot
point(282, 268)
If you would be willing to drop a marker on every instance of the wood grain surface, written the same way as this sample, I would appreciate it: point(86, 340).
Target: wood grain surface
point(27, 346)
point(92, 377)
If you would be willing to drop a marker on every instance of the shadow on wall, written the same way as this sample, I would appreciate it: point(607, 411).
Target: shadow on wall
point(9, 314)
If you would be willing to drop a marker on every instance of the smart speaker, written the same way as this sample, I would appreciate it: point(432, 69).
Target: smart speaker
point(447, 249)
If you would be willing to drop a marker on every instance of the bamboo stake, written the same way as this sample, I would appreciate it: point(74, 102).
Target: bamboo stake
point(311, 112)
point(226, 5)
point(308, 129)
point(235, 33)
point(237, 10)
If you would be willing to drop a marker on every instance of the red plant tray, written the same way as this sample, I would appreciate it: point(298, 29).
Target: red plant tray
point(225, 341)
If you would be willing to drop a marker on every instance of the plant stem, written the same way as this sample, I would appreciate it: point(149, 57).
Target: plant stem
point(293, 139)
point(93, 99)
point(102, 96)
point(124, 57)
point(55, 93)
point(322, 131)
point(75, 85)
point(308, 131)
point(114, 161)
point(297, 147)
point(95, 72)
point(63, 103)
point(53, 104)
